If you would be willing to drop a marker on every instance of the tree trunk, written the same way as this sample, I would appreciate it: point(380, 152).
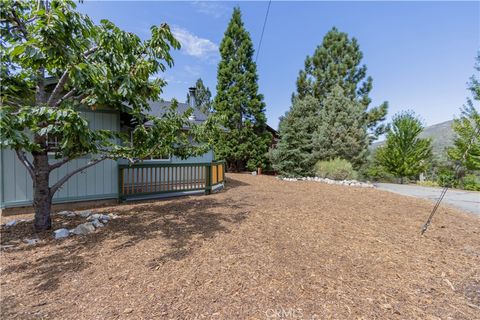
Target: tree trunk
point(401, 180)
point(42, 197)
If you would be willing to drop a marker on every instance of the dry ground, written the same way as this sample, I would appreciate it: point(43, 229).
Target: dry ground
point(261, 249)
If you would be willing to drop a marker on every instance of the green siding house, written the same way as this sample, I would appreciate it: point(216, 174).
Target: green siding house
point(106, 179)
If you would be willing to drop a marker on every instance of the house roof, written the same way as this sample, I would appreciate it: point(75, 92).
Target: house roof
point(272, 131)
point(159, 108)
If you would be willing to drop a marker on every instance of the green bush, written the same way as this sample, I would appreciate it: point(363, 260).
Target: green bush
point(337, 169)
point(446, 177)
point(471, 182)
point(375, 172)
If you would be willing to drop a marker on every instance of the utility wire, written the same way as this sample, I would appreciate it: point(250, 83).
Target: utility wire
point(263, 30)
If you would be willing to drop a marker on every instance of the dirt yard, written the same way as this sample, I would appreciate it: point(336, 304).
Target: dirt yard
point(260, 249)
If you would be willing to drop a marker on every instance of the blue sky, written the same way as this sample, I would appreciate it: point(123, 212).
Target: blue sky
point(420, 54)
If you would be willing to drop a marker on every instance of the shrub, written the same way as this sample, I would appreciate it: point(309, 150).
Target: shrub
point(471, 182)
point(337, 169)
point(375, 172)
point(446, 177)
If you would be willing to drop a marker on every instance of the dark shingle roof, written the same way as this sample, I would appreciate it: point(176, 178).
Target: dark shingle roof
point(159, 108)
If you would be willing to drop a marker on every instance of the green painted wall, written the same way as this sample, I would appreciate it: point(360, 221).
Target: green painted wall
point(97, 182)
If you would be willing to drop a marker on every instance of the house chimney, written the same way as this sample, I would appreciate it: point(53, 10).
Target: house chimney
point(192, 98)
point(192, 102)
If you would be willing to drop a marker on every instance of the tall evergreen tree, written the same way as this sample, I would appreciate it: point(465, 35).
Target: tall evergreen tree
point(404, 153)
point(203, 97)
point(245, 140)
point(345, 122)
point(293, 156)
point(336, 62)
point(341, 133)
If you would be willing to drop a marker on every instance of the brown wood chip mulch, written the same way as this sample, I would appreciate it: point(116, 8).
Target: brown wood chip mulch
point(260, 249)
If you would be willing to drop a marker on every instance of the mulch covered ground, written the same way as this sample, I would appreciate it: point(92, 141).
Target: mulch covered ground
point(261, 249)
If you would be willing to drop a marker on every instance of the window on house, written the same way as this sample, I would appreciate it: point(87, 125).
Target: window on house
point(161, 158)
point(53, 143)
point(165, 157)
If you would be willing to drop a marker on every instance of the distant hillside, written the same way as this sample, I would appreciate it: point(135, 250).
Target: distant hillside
point(441, 133)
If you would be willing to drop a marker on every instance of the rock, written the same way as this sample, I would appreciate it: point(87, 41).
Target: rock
point(112, 216)
point(71, 215)
point(128, 310)
point(95, 216)
point(105, 218)
point(85, 213)
point(65, 213)
point(61, 233)
point(97, 224)
point(254, 173)
point(84, 228)
point(11, 223)
point(32, 241)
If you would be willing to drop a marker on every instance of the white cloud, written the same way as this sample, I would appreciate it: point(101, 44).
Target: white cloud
point(214, 9)
point(193, 71)
point(194, 45)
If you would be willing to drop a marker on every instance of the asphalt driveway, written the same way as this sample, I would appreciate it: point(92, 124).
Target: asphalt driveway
point(465, 200)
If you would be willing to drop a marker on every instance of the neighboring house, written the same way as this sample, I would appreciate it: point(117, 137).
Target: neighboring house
point(275, 137)
point(108, 179)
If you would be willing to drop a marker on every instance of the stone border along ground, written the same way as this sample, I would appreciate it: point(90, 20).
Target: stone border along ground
point(94, 221)
point(350, 183)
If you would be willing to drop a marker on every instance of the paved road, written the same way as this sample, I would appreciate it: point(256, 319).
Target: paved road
point(465, 200)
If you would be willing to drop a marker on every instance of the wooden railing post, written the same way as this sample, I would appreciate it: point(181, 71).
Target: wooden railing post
point(208, 179)
point(120, 185)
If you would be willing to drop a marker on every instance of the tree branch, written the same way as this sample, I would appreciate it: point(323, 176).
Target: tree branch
point(90, 51)
point(60, 163)
point(23, 159)
point(55, 100)
point(60, 182)
point(20, 24)
point(58, 89)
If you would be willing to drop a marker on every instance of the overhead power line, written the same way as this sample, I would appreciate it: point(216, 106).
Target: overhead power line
point(263, 30)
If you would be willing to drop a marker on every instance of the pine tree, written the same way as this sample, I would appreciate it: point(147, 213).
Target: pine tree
point(293, 156)
point(336, 62)
point(245, 140)
point(404, 153)
point(203, 97)
point(341, 133)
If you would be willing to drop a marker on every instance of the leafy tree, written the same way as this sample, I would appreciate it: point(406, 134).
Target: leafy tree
point(404, 153)
point(238, 103)
point(466, 145)
point(293, 155)
point(96, 66)
point(466, 148)
point(203, 97)
point(340, 133)
point(336, 62)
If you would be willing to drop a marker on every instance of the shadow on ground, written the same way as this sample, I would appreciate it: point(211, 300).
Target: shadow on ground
point(181, 224)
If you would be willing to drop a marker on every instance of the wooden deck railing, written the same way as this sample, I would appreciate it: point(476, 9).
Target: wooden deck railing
point(158, 178)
